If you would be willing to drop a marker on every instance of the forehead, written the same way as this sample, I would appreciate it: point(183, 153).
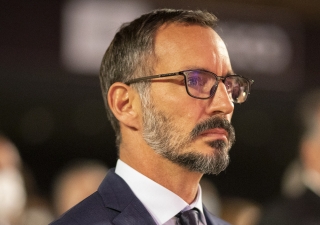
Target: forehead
point(180, 47)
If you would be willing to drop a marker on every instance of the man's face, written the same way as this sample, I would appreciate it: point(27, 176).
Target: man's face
point(194, 133)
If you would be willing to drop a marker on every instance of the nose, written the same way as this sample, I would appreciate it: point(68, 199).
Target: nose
point(221, 103)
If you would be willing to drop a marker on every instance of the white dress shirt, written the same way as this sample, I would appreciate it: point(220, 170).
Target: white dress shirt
point(161, 203)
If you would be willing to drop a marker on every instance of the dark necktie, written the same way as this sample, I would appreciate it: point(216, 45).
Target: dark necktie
point(190, 217)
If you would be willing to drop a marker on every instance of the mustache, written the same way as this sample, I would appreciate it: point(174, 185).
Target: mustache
point(212, 123)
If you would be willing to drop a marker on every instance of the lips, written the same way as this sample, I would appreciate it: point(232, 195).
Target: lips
point(217, 133)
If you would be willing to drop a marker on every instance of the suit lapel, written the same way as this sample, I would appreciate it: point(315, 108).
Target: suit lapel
point(117, 195)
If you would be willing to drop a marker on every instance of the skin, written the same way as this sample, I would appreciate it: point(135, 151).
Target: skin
point(177, 48)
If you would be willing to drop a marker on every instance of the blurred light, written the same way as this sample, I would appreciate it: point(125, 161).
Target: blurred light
point(88, 27)
point(260, 48)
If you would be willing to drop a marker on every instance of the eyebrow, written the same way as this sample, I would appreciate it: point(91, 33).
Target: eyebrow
point(230, 72)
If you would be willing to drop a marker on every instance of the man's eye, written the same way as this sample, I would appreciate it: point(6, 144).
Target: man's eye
point(195, 81)
point(228, 85)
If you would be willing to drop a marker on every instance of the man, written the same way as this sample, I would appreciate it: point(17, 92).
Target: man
point(171, 126)
point(303, 206)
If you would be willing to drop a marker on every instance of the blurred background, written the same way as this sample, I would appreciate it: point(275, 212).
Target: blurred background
point(52, 109)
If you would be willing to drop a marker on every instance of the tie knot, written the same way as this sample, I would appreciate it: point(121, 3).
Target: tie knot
point(189, 217)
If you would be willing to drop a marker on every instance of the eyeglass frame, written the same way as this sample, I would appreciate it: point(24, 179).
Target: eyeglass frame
point(218, 78)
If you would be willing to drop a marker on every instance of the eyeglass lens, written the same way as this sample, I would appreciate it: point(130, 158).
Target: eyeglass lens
point(202, 84)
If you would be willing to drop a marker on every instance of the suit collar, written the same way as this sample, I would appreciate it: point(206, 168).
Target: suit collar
point(117, 195)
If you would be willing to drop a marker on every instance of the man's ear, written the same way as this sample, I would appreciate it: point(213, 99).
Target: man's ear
point(121, 100)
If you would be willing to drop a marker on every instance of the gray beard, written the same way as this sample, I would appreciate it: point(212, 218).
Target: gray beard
point(161, 135)
point(205, 164)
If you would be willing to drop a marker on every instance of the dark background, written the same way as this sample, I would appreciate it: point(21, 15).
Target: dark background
point(55, 116)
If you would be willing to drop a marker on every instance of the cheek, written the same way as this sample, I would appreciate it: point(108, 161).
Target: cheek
point(177, 104)
point(186, 112)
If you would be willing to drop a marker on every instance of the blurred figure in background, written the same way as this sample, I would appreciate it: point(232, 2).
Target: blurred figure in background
point(37, 209)
point(240, 211)
point(13, 195)
point(235, 210)
point(210, 196)
point(79, 180)
point(292, 184)
point(20, 203)
point(301, 206)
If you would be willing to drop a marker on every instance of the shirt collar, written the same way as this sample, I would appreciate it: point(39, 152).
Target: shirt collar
point(161, 203)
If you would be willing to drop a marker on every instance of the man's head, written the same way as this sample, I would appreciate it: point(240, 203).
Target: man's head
point(131, 53)
point(183, 114)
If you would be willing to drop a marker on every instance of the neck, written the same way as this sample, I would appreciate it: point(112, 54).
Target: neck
point(175, 178)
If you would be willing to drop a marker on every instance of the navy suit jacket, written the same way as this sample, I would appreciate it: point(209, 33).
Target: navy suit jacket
point(114, 203)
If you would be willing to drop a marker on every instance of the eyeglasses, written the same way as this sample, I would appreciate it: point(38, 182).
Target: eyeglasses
point(203, 84)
